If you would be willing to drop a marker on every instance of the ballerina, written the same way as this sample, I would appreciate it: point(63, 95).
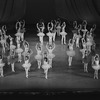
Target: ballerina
point(86, 60)
point(26, 65)
point(40, 32)
point(38, 57)
point(22, 29)
point(63, 33)
point(11, 59)
point(19, 51)
point(54, 31)
point(50, 49)
point(78, 36)
point(1, 67)
point(46, 64)
point(96, 65)
point(58, 26)
point(50, 34)
point(18, 28)
point(89, 42)
point(70, 51)
point(12, 46)
point(84, 29)
point(84, 47)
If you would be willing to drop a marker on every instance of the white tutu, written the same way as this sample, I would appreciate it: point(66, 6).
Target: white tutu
point(19, 50)
point(51, 56)
point(95, 67)
point(50, 34)
point(1, 65)
point(26, 65)
point(40, 34)
point(46, 66)
point(63, 33)
point(82, 50)
point(3, 41)
point(38, 57)
point(12, 47)
point(70, 53)
point(89, 43)
point(18, 34)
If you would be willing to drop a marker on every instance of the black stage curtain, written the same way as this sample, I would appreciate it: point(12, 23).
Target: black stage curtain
point(11, 10)
point(79, 10)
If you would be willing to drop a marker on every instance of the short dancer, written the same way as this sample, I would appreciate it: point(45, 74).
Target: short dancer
point(96, 65)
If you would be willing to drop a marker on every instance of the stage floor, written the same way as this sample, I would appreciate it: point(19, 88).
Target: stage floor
point(60, 77)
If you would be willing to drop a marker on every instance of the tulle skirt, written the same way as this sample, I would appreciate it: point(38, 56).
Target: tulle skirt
point(38, 57)
point(96, 67)
point(46, 66)
point(70, 53)
point(27, 65)
point(89, 43)
point(82, 50)
point(12, 47)
point(63, 33)
point(1, 65)
point(19, 50)
point(51, 56)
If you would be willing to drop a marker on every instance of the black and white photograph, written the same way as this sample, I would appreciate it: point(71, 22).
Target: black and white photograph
point(49, 47)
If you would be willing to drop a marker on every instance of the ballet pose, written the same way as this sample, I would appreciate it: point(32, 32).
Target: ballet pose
point(38, 57)
point(96, 65)
point(18, 28)
point(84, 29)
point(85, 61)
point(63, 33)
point(12, 46)
point(54, 32)
point(70, 52)
point(11, 59)
point(46, 64)
point(40, 32)
point(50, 34)
point(1, 67)
point(84, 47)
point(50, 49)
point(58, 27)
point(19, 51)
point(26, 65)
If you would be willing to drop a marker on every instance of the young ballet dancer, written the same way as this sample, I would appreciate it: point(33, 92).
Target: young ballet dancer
point(46, 64)
point(50, 49)
point(19, 51)
point(58, 26)
point(26, 65)
point(1, 67)
point(85, 60)
point(96, 65)
point(50, 34)
point(38, 57)
point(70, 52)
point(84, 27)
point(40, 32)
point(63, 33)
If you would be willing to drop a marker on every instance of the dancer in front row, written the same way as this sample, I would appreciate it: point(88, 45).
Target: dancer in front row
point(86, 60)
point(96, 65)
point(1, 67)
point(70, 51)
point(50, 48)
point(27, 65)
point(46, 64)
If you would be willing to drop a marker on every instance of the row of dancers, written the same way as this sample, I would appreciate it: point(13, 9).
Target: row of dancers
point(44, 58)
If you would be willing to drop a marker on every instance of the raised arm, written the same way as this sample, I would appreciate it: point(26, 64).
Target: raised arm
point(38, 27)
